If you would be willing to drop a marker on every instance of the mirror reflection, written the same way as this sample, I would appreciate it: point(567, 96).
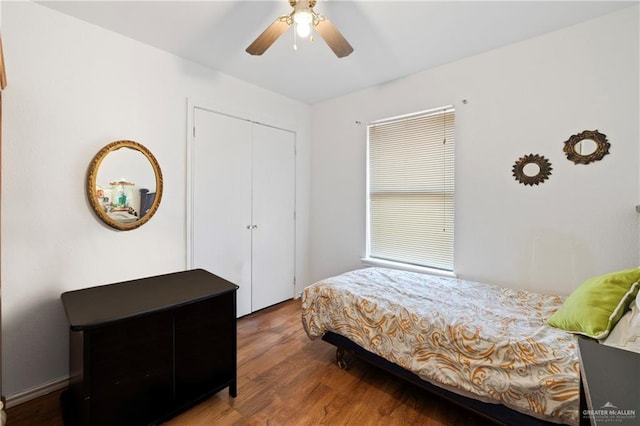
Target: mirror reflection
point(586, 147)
point(121, 176)
point(124, 185)
point(531, 169)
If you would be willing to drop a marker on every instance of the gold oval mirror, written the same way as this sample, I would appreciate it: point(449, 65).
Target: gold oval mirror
point(586, 147)
point(532, 169)
point(124, 184)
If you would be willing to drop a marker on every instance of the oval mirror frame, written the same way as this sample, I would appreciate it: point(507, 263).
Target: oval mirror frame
point(92, 184)
point(601, 149)
point(544, 169)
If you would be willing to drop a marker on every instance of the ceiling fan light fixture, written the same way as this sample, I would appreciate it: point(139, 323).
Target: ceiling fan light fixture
point(303, 21)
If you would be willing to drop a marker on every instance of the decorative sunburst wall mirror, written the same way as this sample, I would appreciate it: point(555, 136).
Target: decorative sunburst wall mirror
point(586, 147)
point(532, 169)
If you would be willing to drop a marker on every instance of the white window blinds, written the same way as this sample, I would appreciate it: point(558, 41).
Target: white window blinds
point(411, 189)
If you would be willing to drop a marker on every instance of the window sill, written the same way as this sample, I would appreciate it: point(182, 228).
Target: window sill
point(407, 267)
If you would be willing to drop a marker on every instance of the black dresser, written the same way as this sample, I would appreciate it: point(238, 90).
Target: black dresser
point(141, 351)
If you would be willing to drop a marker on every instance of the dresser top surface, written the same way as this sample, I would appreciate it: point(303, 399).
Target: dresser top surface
point(96, 306)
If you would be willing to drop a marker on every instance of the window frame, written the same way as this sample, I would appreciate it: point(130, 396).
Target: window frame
point(370, 260)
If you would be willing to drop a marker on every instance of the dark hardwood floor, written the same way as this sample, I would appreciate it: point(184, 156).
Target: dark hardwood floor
point(286, 379)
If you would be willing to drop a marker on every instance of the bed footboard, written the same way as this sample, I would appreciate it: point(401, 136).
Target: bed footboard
point(495, 412)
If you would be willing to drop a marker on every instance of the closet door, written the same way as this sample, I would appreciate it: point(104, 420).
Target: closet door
point(273, 216)
point(221, 200)
point(243, 196)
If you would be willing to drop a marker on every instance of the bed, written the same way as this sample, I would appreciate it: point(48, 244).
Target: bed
point(485, 347)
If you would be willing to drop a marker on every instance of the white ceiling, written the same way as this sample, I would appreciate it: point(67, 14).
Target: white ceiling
point(391, 39)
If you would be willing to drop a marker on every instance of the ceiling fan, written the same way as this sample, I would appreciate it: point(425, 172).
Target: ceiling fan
point(304, 18)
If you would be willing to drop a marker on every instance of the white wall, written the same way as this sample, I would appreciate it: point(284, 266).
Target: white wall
point(74, 88)
point(524, 98)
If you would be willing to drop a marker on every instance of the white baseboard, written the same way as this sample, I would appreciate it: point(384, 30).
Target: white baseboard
point(37, 391)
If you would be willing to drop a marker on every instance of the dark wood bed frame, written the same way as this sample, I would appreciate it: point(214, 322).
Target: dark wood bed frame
point(496, 412)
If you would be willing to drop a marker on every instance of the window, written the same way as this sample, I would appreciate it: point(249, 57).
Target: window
point(410, 180)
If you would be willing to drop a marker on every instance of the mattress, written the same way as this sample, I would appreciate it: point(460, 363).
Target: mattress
point(475, 339)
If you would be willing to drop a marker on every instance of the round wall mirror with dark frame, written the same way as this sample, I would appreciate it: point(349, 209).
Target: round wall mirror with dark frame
point(532, 169)
point(586, 147)
point(124, 184)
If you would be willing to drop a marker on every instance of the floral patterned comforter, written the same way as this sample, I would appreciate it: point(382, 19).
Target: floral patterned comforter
point(475, 339)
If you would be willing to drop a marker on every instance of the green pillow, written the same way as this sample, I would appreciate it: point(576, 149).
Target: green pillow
point(595, 307)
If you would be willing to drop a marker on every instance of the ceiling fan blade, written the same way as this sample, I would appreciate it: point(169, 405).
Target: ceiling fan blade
point(333, 38)
point(269, 36)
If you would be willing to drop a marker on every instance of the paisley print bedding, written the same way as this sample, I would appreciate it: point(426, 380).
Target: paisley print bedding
point(475, 339)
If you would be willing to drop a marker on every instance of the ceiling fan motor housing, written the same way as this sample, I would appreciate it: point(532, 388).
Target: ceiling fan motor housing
point(304, 4)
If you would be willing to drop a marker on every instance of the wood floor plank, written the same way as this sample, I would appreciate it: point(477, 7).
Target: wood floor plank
point(284, 378)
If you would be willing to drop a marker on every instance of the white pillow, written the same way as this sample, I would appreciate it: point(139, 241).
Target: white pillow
point(626, 333)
